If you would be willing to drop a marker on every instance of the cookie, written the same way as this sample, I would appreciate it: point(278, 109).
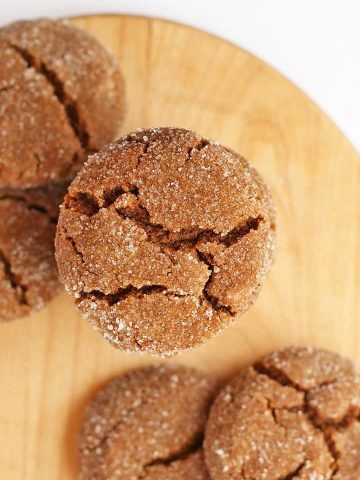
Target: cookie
point(164, 239)
point(147, 424)
point(61, 97)
point(28, 272)
point(294, 414)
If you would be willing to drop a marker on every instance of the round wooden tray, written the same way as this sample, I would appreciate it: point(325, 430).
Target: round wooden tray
point(52, 363)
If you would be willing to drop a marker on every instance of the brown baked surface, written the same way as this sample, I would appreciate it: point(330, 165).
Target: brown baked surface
point(164, 239)
point(28, 272)
point(292, 415)
point(147, 424)
point(61, 97)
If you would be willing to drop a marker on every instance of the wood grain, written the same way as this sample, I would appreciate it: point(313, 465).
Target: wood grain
point(52, 363)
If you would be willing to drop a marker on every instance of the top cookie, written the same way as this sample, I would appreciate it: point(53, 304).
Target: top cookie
point(164, 238)
point(294, 414)
point(61, 97)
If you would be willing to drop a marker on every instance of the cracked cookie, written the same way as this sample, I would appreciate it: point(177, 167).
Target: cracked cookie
point(292, 415)
point(164, 238)
point(61, 97)
point(147, 424)
point(28, 273)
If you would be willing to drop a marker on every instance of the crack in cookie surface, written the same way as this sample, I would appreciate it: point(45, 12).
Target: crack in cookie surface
point(69, 105)
point(30, 205)
point(86, 204)
point(130, 290)
point(182, 454)
point(17, 286)
point(295, 474)
point(213, 300)
point(282, 379)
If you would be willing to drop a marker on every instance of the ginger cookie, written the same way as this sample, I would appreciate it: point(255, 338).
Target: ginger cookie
point(61, 97)
point(147, 424)
point(164, 239)
point(292, 415)
point(28, 272)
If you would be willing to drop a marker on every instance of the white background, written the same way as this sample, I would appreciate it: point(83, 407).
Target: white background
point(316, 43)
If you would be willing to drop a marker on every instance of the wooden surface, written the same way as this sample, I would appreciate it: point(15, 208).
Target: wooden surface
point(51, 363)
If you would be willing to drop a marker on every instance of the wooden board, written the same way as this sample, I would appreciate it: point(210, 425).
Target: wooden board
point(52, 363)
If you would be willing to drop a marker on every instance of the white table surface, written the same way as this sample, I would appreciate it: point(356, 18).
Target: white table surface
point(315, 43)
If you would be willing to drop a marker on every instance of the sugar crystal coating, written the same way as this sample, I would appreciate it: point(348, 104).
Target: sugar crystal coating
point(147, 424)
point(164, 239)
point(61, 97)
point(294, 414)
point(28, 272)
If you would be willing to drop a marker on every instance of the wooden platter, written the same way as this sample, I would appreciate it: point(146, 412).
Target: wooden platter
point(51, 363)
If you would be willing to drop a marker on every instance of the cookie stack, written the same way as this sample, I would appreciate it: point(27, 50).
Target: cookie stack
point(61, 98)
point(291, 415)
point(163, 239)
